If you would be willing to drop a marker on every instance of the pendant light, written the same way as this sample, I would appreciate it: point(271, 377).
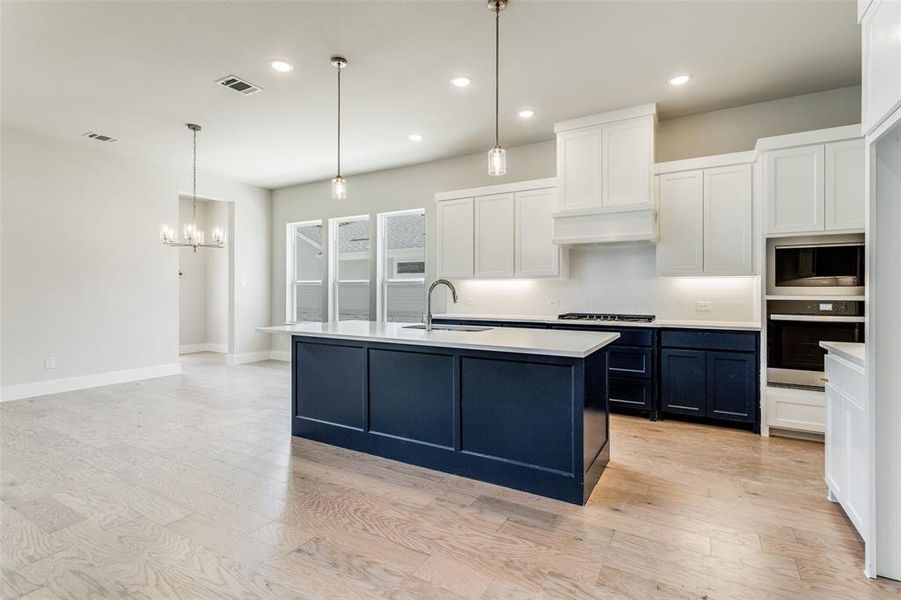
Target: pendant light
point(193, 236)
point(497, 156)
point(339, 184)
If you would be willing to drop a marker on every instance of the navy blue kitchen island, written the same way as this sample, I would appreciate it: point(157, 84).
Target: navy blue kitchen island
point(524, 409)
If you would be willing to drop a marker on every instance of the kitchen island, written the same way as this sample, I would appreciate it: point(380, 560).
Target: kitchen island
point(522, 408)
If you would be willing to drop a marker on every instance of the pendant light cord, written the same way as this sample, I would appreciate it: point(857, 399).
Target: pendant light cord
point(339, 121)
point(194, 190)
point(497, 52)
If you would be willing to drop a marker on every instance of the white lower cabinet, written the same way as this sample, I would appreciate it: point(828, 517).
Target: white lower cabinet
point(847, 439)
point(706, 222)
point(499, 232)
point(494, 238)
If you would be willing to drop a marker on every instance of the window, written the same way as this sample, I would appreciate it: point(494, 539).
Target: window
point(304, 273)
point(401, 272)
point(349, 268)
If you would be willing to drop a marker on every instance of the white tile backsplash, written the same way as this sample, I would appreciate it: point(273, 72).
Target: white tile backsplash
point(616, 279)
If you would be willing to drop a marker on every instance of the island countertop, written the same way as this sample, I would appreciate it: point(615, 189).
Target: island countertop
point(548, 342)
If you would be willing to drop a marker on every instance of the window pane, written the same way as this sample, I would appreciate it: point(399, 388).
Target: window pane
point(405, 302)
point(308, 255)
point(405, 246)
point(308, 302)
point(353, 301)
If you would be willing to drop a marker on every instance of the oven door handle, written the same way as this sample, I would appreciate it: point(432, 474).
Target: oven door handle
point(817, 318)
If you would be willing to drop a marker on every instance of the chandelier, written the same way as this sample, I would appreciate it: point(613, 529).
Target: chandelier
point(194, 237)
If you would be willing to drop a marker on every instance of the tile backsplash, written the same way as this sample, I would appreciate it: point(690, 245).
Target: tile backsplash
point(616, 279)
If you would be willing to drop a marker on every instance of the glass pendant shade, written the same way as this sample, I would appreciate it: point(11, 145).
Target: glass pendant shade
point(497, 161)
point(218, 237)
point(339, 188)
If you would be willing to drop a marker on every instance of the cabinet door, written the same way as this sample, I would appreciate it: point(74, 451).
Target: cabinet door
point(495, 236)
point(680, 249)
point(881, 61)
point(731, 386)
point(455, 238)
point(836, 459)
point(794, 189)
point(536, 254)
point(579, 168)
point(728, 221)
point(683, 377)
point(628, 162)
point(845, 185)
point(857, 449)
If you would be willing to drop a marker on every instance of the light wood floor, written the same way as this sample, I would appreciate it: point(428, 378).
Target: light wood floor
point(192, 487)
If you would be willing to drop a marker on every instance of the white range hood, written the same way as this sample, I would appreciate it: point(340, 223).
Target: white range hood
point(605, 175)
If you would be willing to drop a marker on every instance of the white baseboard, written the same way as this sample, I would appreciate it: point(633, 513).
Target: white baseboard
point(192, 348)
point(248, 357)
point(283, 355)
point(68, 384)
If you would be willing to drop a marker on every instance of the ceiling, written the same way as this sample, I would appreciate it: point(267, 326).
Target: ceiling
point(139, 70)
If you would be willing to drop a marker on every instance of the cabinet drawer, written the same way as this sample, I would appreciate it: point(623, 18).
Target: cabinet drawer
point(627, 337)
point(848, 378)
point(630, 362)
point(636, 394)
point(710, 340)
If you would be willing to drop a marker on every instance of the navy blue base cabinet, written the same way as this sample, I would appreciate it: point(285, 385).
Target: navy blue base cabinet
point(534, 423)
point(710, 375)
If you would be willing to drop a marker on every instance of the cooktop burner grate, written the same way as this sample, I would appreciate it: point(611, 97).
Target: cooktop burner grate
point(607, 317)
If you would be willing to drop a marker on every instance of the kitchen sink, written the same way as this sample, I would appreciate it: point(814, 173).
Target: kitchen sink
point(450, 327)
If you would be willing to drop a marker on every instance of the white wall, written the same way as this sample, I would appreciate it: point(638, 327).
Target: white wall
point(192, 283)
point(737, 129)
point(216, 305)
point(85, 278)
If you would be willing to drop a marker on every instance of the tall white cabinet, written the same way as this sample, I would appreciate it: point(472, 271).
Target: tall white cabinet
point(706, 216)
point(813, 182)
point(499, 232)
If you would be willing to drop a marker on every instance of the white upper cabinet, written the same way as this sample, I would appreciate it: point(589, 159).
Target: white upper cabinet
point(728, 221)
point(881, 38)
point(680, 250)
point(455, 238)
point(845, 185)
point(813, 182)
point(495, 234)
point(536, 254)
point(795, 189)
point(605, 169)
point(579, 168)
point(627, 164)
point(499, 232)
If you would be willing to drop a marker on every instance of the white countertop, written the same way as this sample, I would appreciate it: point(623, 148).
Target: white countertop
point(575, 344)
point(854, 353)
point(692, 324)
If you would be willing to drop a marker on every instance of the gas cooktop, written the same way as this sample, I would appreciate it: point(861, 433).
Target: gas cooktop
point(606, 317)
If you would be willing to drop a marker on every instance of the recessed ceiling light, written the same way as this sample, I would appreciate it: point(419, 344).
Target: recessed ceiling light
point(415, 137)
point(461, 82)
point(526, 113)
point(281, 66)
point(680, 80)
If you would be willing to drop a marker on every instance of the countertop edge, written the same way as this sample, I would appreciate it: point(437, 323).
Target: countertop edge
point(851, 352)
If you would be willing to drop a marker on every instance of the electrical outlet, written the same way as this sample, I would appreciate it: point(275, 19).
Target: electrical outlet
point(703, 306)
point(553, 303)
point(468, 301)
point(50, 362)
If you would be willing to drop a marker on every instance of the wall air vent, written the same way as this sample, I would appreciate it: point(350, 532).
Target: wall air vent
point(245, 88)
point(100, 137)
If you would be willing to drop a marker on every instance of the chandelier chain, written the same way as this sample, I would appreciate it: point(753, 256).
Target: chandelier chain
point(339, 121)
point(194, 188)
point(497, 51)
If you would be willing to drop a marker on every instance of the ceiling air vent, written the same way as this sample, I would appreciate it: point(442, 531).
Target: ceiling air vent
point(99, 137)
point(237, 84)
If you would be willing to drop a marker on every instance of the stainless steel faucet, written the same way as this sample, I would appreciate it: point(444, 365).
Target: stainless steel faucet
point(428, 314)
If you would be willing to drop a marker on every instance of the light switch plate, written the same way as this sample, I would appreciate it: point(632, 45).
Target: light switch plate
point(50, 362)
point(703, 305)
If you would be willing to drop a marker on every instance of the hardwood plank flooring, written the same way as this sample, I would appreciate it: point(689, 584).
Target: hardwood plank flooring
point(192, 487)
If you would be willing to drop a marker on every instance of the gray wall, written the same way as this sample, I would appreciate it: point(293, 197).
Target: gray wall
point(737, 129)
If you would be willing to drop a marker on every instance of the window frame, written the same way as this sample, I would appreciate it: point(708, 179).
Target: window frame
point(291, 282)
point(333, 261)
point(383, 277)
